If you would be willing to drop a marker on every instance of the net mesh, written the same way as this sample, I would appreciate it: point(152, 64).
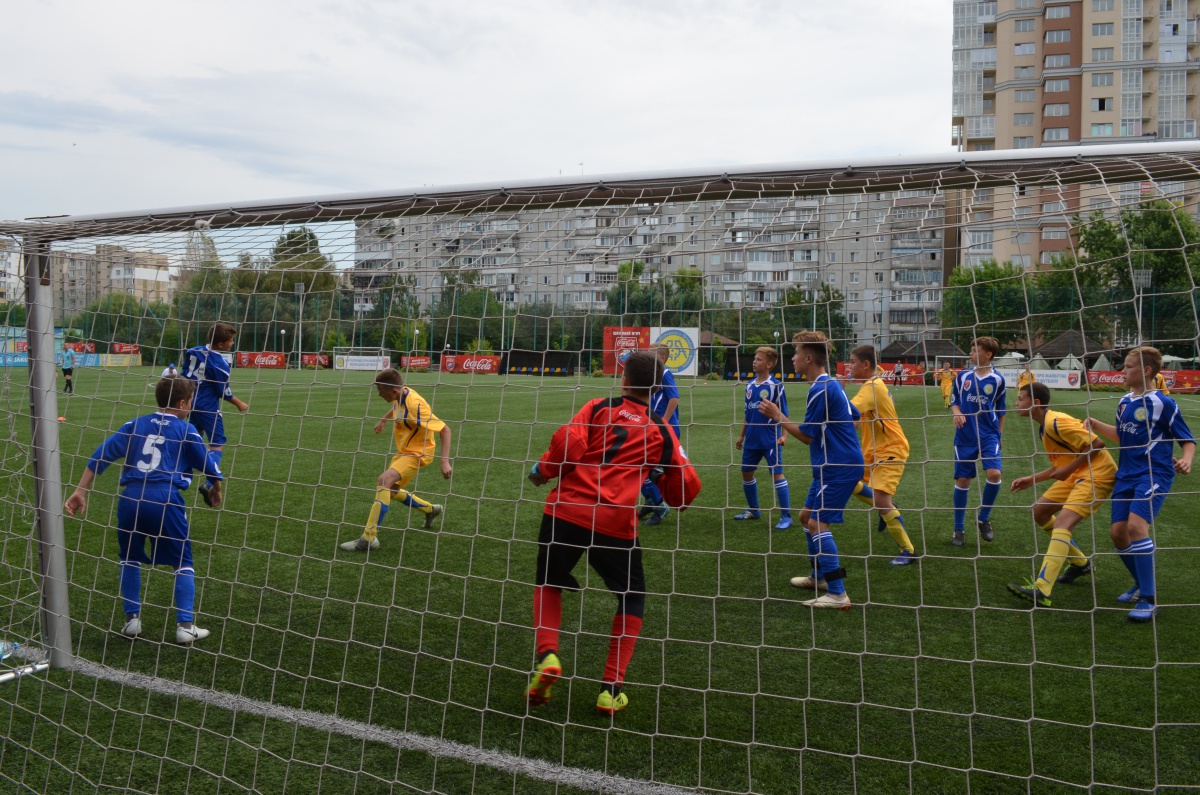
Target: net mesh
point(506, 308)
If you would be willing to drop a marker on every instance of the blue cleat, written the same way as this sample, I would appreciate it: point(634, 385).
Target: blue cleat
point(1143, 612)
point(1131, 596)
point(785, 522)
point(903, 559)
point(744, 515)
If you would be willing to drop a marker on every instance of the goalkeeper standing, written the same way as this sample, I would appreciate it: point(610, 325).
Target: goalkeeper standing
point(601, 458)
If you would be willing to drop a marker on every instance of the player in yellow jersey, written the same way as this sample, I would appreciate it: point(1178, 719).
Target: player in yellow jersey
point(416, 431)
point(1025, 378)
point(1084, 474)
point(946, 381)
point(1160, 383)
point(885, 448)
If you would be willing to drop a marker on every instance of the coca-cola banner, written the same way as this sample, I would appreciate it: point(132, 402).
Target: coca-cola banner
point(415, 362)
point(470, 363)
point(262, 359)
point(124, 347)
point(913, 374)
point(619, 342)
point(315, 359)
point(1177, 380)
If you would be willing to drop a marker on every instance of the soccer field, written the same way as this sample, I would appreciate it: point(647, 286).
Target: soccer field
point(936, 680)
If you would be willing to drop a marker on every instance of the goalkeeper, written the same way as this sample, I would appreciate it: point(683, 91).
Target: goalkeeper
point(601, 458)
point(416, 431)
point(1084, 474)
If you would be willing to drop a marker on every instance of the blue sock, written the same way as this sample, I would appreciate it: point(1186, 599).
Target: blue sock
point(827, 560)
point(215, 457)
point(185, 595)
point(651, 493)
point(131, 587)
point(960, 507)
point(812, 555)
point(750, 487)
point(1130, 564)
point(990, 492)
point(1142, 553)
point(782, 498)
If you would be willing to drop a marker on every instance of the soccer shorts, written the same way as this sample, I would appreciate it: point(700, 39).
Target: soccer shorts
point(68, 371)
point(968, 451)
point(618, 561)
point(1142, 497)
point(1079, 494)
point(827, 499)
point(884, 474)
point(210, 424)
point(773, 455)
point(408, 464)
point(158, 516)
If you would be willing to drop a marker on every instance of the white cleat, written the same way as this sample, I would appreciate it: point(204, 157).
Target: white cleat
point(133, 627)
point(360, 544)
point(808, 582)
point(831, 601)
point(188, 635)
point(433, 514)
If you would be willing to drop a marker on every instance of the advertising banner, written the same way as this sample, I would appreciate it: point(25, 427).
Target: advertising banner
point(314, 360)
point(910, 374)
point(262, 359)
point(470, 363)
point(371, 363)
point(81, 347)
point(415, 362)
point(112, 359)
point(1177, 380)
point(124, 347)
point(683, 344)
point(1055, 379)
point(620, 341)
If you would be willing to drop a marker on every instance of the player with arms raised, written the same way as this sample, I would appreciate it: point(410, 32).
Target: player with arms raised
point(1148, 422)
point(601, 459)
point(205, 365)
point(837, 465)
point(978, 408)
point(1084, 474)
point(761, 439)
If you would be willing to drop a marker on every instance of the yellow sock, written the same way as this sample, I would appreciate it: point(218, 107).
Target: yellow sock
point(412, 500)
point(863, 493)
point(896, 528)
point(379, 509)
point(1075, 557)
point(1056, 556)
point(1048, 527)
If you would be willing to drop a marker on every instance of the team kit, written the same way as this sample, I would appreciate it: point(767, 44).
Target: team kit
point(619, 463)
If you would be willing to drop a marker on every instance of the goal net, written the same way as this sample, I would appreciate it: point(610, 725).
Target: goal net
point(405, 667)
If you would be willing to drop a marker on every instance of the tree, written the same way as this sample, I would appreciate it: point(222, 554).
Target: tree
point(295, 259)
point(987, 300)
point(822, 309)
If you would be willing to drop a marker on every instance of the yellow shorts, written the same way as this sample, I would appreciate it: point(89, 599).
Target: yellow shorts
point(884, 475)
point(1079, 494)
point(408, 465)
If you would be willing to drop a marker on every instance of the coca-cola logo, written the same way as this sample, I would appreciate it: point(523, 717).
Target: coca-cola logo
point(478, 364)
point(1106, 377)
point(266, 359)
point(261, 359)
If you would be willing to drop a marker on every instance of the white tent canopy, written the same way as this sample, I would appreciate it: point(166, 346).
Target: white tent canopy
point(1070, 363)
point(1169, 359)
point(1007, 360)
point(1039, 362)
point(1102, 363)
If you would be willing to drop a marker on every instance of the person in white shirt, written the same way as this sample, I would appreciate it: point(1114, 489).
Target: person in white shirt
point(170, 370)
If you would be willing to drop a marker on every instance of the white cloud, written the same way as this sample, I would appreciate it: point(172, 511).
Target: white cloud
point(153, 104)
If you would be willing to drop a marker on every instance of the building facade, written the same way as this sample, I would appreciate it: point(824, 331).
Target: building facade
point(82, 278)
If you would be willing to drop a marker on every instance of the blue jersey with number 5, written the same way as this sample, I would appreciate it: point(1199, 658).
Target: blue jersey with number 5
point(159, 450)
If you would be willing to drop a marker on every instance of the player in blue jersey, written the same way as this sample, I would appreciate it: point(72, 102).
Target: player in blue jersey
point(665, 403)
point(977, 403)
point(205, 365)
point(1148, 422)
point(761, 438)
point(160, 451)
point(68, 368)
point(837, 464)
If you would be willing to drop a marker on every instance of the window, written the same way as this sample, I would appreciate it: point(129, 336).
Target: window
point(854, 278)
point(1023, 142)
point(1048, 257)
point(1023, 26)
point(1057, 109)
point(1056, 86)
point(1023, 4)
point(1102, 103)
point(831, 256)
point(1058, 36)
point(1102, 78)
point(878, 276)
point(1023, 238)
point(1059, 61)
point(1102, 53)
point(1102, 28)
point(1025, 95)
point(1053, 207)
point(1101, 130)
point(1022, 119)
point(1056, 134)
point(1058, 12)
point(1054, 234)
point(1023, 73)
point(1022, 261)
point(1024, 49)
point(1102, 5)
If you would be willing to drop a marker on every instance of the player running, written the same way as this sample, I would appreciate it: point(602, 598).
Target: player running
point(205, 365)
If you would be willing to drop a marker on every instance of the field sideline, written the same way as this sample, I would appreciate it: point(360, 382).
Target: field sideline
point(935, 680)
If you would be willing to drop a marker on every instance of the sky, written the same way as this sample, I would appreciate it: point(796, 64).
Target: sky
point(136, 105)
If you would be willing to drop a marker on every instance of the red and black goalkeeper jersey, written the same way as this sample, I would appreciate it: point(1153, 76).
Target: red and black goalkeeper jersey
point(601, 459)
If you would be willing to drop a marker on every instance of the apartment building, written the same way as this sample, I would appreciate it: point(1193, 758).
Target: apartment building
point(12, 287)
point(1028, 73)
point(81, 278)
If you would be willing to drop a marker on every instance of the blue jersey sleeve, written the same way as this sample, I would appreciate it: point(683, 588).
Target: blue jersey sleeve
point(1001, 395)
point(1177, 428)
point(113, 449)
point(218, 374)
point(817, 411)
point(956, 391)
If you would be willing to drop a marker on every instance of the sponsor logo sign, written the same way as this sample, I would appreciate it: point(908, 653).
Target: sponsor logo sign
point(262, 359)
point(470, 363)
point(1055, 379)
point(315, 360)
point(371, 363)
point(81, 347)
point(415, 362)
point(125, 347)
point(683, 343)
point(620, 342)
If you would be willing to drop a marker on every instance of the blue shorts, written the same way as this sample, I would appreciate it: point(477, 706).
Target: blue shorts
point(210, 424)
point(967, 452)
point(159, 516)
point(752, 455)
point(827, 499)
point(1140, 497)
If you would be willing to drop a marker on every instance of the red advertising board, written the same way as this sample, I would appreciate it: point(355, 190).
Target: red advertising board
point(914, 374)
point(23, 346)
point(470, 363)
point(124, 347)
point(415, 362)
point(620, 341)
point(1177, 380)
point(314, 359)
point(262, 359)
point(81, 347)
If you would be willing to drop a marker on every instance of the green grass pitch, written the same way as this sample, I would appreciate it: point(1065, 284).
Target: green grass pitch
point(936, 679)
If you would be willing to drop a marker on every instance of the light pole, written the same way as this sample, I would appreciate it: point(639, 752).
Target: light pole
point(1142, 279)
point(299, 288)
point(416, 341)
point(780, 352)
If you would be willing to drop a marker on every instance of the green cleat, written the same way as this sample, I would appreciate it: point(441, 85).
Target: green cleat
point(608, 704)
point(549, 670)
point(1031, 592)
